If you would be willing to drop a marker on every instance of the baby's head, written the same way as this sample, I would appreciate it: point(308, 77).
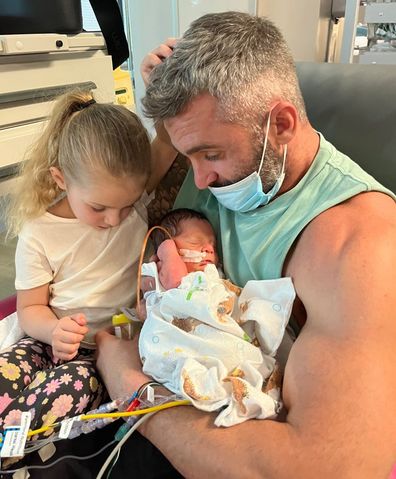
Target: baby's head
point(194, 237)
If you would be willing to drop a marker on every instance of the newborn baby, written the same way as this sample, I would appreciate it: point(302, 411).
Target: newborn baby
point(205, 338)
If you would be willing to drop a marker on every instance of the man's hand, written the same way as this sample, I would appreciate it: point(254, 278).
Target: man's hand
point(67, 335)
point(119, 364)
point(155, 57)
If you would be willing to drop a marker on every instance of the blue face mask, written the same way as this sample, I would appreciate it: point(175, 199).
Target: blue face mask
point(247, 194)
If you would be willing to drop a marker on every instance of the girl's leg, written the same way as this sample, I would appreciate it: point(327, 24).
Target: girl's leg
point(19, 365)
point(64, 389)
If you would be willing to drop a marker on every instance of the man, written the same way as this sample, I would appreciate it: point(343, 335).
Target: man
point(285, 203)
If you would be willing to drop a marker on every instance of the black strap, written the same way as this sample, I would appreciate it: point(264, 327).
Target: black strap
point(110, 21)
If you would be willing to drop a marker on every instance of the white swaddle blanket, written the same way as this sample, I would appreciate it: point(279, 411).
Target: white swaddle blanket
point(198, 340)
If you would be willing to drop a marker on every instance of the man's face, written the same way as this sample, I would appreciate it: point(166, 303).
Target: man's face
point(220, 153)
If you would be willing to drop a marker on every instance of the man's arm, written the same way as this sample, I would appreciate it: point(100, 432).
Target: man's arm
point(339, 387)
point(340, 380)
point(162, 157)
point(162, 152)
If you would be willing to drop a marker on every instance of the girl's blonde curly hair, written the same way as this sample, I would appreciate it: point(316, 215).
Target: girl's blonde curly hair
point(81, 137)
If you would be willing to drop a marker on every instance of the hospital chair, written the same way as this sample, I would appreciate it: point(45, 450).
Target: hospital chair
point(353, 106)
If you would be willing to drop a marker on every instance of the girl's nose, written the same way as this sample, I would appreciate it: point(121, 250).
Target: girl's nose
point(113, 218)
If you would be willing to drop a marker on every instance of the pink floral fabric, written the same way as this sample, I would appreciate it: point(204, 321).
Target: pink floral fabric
point(32, 380)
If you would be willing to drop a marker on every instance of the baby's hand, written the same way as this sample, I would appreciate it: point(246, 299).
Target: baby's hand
point(67, 336)
point(167, 249)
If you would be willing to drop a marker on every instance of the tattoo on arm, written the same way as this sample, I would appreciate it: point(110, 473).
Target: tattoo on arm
point(167, 190)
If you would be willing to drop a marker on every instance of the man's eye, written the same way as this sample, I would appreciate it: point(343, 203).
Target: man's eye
point(211, 156)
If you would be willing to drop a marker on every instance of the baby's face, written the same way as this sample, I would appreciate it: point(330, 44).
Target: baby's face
point(197, 235)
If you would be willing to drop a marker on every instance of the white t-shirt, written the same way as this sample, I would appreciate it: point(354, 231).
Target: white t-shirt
point(90, 271)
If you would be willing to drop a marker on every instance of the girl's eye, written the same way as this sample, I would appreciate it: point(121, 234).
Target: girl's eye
point(98, 209)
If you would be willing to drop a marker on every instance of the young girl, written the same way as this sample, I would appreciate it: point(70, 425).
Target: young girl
point(81, 221)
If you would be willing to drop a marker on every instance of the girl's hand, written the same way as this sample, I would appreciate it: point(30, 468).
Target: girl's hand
point(67, 335)
point(155, 57)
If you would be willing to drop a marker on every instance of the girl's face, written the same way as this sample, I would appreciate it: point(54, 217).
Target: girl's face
point(105, 201)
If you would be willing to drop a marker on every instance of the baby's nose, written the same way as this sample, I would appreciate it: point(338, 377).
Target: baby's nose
point(208, 248)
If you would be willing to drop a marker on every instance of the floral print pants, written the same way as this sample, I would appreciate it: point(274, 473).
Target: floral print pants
point(32, 380)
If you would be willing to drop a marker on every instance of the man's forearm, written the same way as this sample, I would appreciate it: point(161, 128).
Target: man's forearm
point(328, 432)
point(163, 155)
point(197, 448)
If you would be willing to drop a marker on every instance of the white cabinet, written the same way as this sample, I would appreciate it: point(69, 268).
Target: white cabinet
point(29, 81)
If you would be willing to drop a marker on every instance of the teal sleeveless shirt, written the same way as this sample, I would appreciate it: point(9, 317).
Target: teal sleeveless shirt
point(254, 245)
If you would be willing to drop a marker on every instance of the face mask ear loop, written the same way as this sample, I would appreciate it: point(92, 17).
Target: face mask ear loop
point(265, 142)
point(284, 160)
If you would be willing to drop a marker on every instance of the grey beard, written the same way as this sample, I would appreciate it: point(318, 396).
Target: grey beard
point(270, 171)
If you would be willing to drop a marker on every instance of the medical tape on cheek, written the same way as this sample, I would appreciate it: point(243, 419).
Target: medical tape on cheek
point(191, 256)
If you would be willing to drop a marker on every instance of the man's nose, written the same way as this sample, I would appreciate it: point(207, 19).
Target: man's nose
point(204, 176)
point(113, 218)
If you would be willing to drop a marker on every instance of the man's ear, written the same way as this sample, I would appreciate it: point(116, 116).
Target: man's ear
point(284, 118)
point(58, 177)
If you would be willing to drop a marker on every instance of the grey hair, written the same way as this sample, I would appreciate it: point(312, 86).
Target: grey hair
point(241, 60)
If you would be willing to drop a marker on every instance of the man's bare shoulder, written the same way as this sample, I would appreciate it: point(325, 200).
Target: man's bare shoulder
point(346, 258)
point(356, 214)
point(366, 219)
